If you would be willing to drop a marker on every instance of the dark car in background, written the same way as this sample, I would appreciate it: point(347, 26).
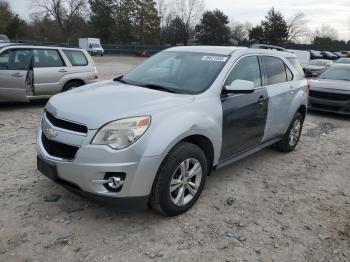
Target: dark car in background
point(330, 92)
point(328, 55)
point(316, 66)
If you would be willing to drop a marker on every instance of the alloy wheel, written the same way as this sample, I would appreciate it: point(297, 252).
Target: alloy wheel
point(185, 182)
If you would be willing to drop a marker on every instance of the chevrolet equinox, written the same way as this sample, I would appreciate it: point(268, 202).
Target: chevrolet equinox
point(152, 136)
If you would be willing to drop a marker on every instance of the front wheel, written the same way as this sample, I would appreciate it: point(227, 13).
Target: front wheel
point(292, 136)
point(180, 180)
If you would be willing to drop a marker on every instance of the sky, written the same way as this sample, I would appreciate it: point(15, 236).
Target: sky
point(335, 13)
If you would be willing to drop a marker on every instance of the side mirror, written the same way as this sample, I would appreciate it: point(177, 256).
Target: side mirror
point(240, 87)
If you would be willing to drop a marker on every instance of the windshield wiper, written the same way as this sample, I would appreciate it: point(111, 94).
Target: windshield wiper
point(158, 87)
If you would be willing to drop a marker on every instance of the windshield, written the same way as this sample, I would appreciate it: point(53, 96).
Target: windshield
point(92, 45)
point(178, 72)
point(336, 73)
point(318, 62)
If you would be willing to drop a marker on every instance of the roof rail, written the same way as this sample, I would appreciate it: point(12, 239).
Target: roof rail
point(272, 47)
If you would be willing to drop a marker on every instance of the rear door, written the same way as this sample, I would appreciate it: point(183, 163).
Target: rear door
point(49, 69)
point(14, 68)
point(82, 67)
point(244, 115)
point(279, 85)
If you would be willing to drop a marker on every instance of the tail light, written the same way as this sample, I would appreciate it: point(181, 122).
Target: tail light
point(96, 73)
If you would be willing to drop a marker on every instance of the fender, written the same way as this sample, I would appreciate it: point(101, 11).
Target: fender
point(170, 127)
point(301, 98)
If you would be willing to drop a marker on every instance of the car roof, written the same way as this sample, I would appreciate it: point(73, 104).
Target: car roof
point(36, 46)
point(229, 50)
point(220, 50)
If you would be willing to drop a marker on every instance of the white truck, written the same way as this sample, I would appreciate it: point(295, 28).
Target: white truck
point(92, 45)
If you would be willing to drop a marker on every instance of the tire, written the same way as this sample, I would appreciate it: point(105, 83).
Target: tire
point(71, 85)
point(185, 156)
point(291, 138)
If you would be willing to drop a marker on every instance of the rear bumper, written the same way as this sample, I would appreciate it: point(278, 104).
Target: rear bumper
point(327, 105)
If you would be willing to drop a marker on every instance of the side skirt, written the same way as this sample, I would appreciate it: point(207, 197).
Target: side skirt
point(246, 153)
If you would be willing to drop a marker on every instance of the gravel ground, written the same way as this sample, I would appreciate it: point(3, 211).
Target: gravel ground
point(278, 207)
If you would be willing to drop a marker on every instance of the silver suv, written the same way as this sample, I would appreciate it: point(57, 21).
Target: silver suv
point(31, 72)
point(153, 135)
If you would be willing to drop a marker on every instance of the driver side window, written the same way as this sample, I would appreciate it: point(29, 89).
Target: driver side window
point(247, 68)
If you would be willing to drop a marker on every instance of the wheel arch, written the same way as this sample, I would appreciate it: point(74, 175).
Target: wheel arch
point(74, 80)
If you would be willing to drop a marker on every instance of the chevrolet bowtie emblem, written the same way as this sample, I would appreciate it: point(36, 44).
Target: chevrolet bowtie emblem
point(50, 133)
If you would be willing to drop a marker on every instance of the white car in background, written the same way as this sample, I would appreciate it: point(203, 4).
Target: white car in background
point(32, 72)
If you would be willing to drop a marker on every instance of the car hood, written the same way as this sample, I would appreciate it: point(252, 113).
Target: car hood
point(325, 84)
point(97, 104)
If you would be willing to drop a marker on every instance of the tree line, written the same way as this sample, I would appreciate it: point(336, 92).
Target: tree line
point(156, 22)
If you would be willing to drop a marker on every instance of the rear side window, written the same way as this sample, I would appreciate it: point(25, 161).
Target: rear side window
point(296, 64)
point(275, 70)
point(247, 68)
point(47, 58)
point(76, 58)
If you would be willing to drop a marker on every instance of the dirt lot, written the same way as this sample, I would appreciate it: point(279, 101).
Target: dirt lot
point(282, 207)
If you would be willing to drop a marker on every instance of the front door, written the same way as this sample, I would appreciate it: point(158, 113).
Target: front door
point(244, 115)
point(14, 69)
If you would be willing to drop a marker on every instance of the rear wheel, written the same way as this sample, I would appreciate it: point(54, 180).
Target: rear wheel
point(180, 180)
point(292, 136)
point(71, 85)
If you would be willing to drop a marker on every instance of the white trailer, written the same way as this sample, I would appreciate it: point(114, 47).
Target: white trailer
point(92, 45)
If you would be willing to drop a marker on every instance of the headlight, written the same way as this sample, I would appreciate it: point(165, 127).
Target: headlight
point(122, 133)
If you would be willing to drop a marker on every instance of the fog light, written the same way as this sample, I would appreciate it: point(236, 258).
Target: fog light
point(115, 182)
point(112, 181)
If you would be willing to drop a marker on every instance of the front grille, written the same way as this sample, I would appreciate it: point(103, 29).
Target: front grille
point(66, 124)
point(57, 149)
point(325, 107)
point(330, 96)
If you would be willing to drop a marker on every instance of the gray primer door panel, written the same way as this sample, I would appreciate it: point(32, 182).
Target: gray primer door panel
point(244, 119)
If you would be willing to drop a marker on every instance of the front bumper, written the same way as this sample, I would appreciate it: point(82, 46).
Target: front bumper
point(328, 105)
point(92, 162)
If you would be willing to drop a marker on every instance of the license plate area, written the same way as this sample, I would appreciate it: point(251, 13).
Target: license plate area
point(49, 170)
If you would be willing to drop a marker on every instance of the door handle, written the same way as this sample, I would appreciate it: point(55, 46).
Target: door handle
point(63, 71)
point(261, 100)
point(17, 75)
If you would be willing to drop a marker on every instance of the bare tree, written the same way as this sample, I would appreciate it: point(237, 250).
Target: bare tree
point(63, 12)
point(239, 31)
point(190, 11)
point(326, 31)
point(297, 27)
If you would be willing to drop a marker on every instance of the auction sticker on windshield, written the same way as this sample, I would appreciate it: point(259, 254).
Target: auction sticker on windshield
point(214, 58)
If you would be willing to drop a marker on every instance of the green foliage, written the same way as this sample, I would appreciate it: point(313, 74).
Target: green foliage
point(146, 21)
point(273, 30)
point(10, 23)
point(213, 28)
point(102, 18)
point(275, 27)
point(124, 21)
point(256, 34)
point(176, 32)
